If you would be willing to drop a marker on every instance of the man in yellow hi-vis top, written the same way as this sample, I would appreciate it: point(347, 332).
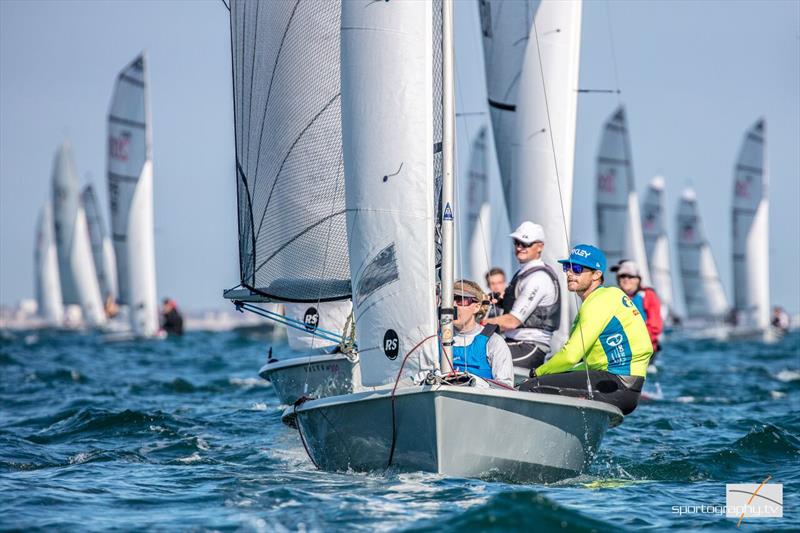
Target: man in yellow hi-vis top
point(609, 333)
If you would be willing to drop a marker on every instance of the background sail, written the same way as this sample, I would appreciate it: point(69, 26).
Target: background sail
point(657, 244)
point(130, 187)
point(751, 232)
point(702, 288)
point(506, 27)
point(388, 126)
point(619, 228)
point(48, 285)
point(289, 168)
point(327, 316)
point(75, 264)
point(477, 226)
point(102, 249)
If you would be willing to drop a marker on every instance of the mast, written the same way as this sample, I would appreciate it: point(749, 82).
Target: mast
point(446, 313)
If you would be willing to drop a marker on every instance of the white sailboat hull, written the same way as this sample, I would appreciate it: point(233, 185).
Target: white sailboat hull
point(314, 376)
point(511, 435)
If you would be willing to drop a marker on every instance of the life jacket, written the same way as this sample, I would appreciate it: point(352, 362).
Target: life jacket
point(475, 355)
point(544, 317)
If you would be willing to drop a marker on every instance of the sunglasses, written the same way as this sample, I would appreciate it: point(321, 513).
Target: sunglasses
point(520, 244)
point(626, 276)
point(576, 269)
point(463, 301)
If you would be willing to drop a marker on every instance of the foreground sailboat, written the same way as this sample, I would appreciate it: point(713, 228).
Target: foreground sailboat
point(75, 265)
point(130, 189)
point(48, 284)
point(704, 296)
point(290, 185)
point(750, 224)
point(619, 224)
point(416, 418)
point(656, 245)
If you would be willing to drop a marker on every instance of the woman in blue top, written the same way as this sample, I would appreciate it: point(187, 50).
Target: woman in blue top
point(477, 349)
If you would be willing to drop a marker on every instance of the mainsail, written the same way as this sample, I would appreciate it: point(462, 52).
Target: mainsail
point(702, 288)
point(532, 52)
point(48, 285)
point(656, 243)
point(102, 249)
point(75, 264)
point(388, 110)
point(751, 232)
point(130, 188)
point(619, 224)
point(289, 168)
point(477, 227)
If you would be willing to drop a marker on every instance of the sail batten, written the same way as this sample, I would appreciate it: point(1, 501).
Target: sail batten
point(289, 167)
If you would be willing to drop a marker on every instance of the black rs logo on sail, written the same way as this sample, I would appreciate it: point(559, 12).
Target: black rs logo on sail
point(391, 344)
point(311, 319)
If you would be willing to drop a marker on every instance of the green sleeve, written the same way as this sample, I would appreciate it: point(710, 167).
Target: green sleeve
point(588, 326)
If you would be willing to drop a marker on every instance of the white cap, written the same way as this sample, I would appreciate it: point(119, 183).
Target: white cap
point(528, 232)
point(628, 268)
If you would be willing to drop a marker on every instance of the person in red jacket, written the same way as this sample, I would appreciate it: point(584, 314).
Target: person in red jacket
point(629, 279)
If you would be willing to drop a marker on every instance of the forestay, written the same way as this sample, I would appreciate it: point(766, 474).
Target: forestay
point(619, 229)
point(289, 167)
point(102, 249)
point(48, 285)
point(388, 114)
point(130, 188)
point(75, 264)
point(477, 227)
point(656, 243)
point(702, 288)
point(751, 232)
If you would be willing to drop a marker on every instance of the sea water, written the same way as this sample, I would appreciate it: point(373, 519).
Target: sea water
point(182, 434)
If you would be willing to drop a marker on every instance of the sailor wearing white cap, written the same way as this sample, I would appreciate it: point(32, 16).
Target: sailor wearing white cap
point(531, 303)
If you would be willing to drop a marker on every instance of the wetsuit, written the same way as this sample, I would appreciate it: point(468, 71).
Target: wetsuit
point(172, 322)
point(610, 334)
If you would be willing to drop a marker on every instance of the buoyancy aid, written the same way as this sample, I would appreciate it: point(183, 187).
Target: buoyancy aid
point(473, 358)
point(547, 317)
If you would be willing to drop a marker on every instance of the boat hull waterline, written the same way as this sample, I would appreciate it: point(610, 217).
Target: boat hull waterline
point(514, 436)
point(314, 376)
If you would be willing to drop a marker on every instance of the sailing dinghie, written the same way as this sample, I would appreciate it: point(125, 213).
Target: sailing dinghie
point(75, 265)
point(619, 224)
point(130, 191)
point(102, 249)
point(704, 296)
point(397, 85)
point(290, 188)
point(750, 224)
point(532, 58)
point(656, 245)
point(48, 284)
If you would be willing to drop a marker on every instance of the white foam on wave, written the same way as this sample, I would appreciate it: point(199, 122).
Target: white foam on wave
point(79, 458)
point(258, 406)
point(248, 383)
point(776, 394)
point(788, 375)
point(191, 459)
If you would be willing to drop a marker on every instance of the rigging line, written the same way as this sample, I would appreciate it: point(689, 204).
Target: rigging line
point(560, 193)
point(226, 4)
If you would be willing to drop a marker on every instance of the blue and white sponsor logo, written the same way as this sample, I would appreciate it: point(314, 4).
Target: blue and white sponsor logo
point(627, 301)
point(614, 340)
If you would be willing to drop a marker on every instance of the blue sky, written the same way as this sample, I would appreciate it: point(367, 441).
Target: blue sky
point(693, 75)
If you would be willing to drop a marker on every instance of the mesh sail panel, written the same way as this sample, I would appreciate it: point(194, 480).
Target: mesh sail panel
point(289, 167)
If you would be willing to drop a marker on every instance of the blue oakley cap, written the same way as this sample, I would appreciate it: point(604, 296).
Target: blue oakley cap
point(588, 256)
